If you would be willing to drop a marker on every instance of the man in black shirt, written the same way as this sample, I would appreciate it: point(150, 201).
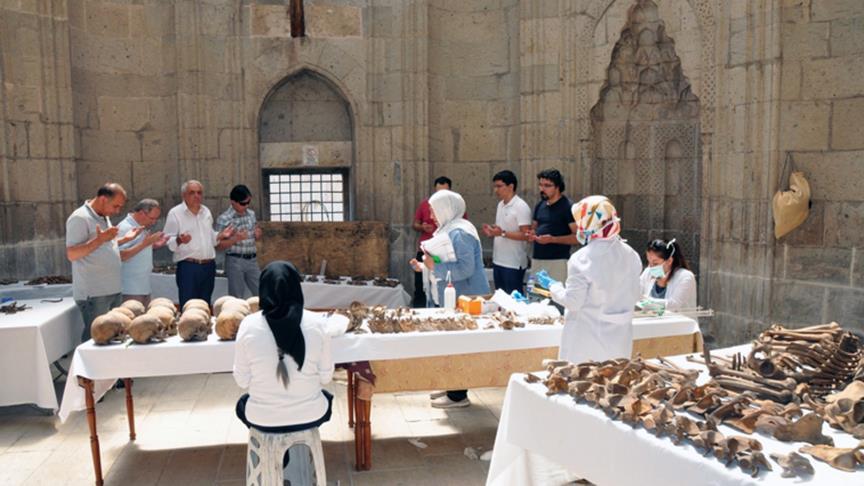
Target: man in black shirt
point(553, 229)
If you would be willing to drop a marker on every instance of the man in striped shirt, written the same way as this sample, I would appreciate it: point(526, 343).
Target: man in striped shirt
point(241, 264)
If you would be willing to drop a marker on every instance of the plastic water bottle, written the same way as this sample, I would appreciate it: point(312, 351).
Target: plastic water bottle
point(529, 287)
point(449, 294)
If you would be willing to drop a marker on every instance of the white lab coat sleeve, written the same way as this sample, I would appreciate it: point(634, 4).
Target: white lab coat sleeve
point(645, 283)
point(682, 295)
point(325, 365)
point(241, 371)
point(573, 295)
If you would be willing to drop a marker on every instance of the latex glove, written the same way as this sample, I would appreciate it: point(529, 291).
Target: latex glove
point(518, 297)
point(544, 280)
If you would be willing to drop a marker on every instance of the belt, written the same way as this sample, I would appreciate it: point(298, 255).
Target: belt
point(199, 262)
point(247, 256)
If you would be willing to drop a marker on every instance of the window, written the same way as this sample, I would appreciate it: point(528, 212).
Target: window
point(307, 194)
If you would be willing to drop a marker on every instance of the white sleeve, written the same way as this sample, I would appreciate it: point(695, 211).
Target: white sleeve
point(684, 295)
point(523, 214)
point(325, 362)
point(241, 371)
point(573, 295)
point(645, 283)
point(172, 227)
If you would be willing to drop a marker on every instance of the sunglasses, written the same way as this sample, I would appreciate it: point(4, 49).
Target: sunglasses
point(244, 203)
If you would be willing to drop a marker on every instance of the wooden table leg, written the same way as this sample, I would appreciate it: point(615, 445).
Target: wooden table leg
point(130, 408)
point(91, 421)
point(363, 391)
point(358, 432)
point(350, 399)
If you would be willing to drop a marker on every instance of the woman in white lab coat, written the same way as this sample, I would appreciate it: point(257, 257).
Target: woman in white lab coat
point(667, 277)
point(602, 287)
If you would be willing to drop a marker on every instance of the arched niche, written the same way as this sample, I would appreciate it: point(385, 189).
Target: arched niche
point(306, 149)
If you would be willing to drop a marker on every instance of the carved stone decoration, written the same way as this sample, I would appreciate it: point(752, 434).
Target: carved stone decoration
point(646, 104)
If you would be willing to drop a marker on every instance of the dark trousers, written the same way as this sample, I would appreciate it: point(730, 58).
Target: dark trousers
point(419, 294)
point(195, 281)
point(508, 279)
point(457, 395)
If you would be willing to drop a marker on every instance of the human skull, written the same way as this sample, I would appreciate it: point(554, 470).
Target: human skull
point(108, 328)
point(236, 305)
point(198, 303)
point(253, 304)
point(166, 316)
point(193, 326)
point(163, 302)
point(125, 311)
point(217, 306)
point(227, 324)
point(145, 329)
point(135, 306)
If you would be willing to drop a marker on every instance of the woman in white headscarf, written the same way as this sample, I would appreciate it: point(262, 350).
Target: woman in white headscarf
point(602, 287)
point(463, 261)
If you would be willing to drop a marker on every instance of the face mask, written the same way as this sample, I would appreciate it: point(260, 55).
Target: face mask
point(656, 272)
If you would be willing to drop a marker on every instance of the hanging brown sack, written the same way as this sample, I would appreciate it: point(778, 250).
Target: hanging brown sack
point(791, 207)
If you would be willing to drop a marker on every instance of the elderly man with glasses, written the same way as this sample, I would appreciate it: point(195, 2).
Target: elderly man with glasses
point(241, 265)
point(137, 254)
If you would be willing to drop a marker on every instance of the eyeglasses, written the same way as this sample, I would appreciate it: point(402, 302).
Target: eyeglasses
point(244, 203)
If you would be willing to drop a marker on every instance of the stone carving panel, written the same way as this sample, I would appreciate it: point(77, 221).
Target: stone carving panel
point(647, 102)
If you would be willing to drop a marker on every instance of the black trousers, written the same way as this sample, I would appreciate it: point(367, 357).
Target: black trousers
point(419, 295)
point(195, 281)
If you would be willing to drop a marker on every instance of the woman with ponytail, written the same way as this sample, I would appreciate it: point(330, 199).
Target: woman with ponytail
point(667, 277)
point(282, 356)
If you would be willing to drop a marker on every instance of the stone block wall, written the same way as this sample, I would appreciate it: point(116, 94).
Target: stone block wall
point(153, 92)
point(37, 149)
point(818, 267)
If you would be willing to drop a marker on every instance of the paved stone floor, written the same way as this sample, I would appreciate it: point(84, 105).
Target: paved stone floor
point(188, 435)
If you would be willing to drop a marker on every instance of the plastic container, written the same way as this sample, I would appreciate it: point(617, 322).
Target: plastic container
point(449, 294)
point(529, 286)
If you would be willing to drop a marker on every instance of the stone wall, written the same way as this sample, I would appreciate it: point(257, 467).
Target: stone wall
point(819, 268)
point(153, 92)
point(37, 145)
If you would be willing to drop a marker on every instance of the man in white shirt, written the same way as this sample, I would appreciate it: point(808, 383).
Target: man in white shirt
point(189, 226)
point(510, 232)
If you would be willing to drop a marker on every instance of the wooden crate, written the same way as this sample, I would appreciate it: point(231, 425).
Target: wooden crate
point(350, 248)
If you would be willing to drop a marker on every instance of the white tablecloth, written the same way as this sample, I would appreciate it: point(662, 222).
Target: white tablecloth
point(588, 444)
point(315, 295)
point(22, 291)
point(29, 342)
point(105, 364)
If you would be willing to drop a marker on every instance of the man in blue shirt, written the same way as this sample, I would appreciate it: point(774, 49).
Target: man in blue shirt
point(137, 254)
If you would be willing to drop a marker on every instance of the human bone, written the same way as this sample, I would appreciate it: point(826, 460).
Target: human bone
point(227, 324)
point(254, 304)
point(236, 305)
point(135, 306)
point(145, 329)
point(163, 302)
point(193, 326)
point(197, 303)
point(217, 305)
point(167, 318)
point(108, 328)
point(125, 311)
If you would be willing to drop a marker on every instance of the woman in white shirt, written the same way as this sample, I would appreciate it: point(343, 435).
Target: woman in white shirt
point(282, 356)
point(667, 277)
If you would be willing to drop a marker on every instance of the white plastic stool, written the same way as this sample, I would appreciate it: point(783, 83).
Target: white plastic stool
point(266, 451)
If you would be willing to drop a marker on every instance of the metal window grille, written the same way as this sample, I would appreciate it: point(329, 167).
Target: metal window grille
point(307, 195)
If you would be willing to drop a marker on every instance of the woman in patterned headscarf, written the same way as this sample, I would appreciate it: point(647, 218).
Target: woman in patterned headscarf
point(602, 287)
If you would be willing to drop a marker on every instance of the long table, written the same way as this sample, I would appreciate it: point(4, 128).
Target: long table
point(29, 342)
point(585, 442)
point(95, 368)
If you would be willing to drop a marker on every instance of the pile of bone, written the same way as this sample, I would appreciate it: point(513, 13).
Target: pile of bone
point(230, 312)
point(652, 395)
point(356, 314)
point(506, 320)
point(820, 359)
point(142, 324)
point(403, 319)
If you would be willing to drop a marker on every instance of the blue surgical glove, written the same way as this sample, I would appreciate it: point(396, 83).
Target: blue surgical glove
point(544, 280)
point(518, 297)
